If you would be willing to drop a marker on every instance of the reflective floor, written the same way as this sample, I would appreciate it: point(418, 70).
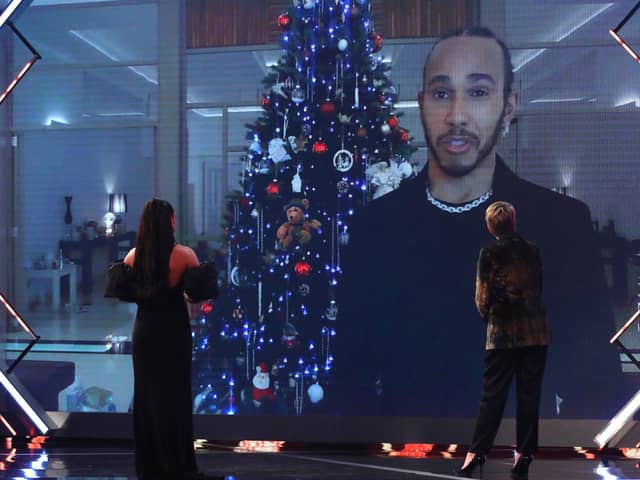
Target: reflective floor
point(42, 458)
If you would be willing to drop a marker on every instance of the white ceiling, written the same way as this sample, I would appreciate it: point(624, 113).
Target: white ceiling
point(561, 49)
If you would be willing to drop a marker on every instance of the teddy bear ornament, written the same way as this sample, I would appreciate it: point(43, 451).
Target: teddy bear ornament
point(298, 229)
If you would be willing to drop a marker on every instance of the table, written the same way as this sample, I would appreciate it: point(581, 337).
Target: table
point(81, 252)
point(56, 275)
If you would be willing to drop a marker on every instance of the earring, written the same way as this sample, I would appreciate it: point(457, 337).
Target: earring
point(505, 129)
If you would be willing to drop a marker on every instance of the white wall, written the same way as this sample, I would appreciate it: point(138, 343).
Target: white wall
point(86, 164)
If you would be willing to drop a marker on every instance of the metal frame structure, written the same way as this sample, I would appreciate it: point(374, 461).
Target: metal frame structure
point(614, 33)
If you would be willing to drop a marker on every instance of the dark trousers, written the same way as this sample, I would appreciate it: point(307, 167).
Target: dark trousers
point(500, 366)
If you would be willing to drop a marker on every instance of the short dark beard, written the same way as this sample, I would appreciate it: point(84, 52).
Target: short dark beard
point(458, 172)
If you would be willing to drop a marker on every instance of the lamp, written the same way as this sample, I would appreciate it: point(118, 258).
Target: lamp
point(118, 206)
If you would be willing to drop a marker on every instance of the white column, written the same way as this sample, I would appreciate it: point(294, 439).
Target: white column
point(171, 157)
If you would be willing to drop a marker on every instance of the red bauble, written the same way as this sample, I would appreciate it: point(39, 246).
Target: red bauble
point(376, 40)
point(320, 147)
point(303, 269)
point(327, 108)
point(265, 101)
point(273, 189)
point(393, 121)
point(404, 135)
point(284, 21)
point(245, 202)
point(206, 308)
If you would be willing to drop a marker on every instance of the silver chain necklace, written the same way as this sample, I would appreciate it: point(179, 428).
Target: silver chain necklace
point(461, 208)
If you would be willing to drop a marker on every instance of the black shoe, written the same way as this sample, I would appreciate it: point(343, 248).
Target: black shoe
point(520, 471)
point(467, 472)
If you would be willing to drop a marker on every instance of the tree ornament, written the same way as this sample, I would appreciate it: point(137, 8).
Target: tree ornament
point(278, 151)
point(343, 44)
point(403, 135)
point(304, 289)
point(376, 41)
point(315, 393)
point(343, 238)
point(385, 128)
point(308, 4)
point(302, 268)
point(206, 308)
point(297, 230)
point(264, 166)
point(306, 129)
point(393, 121)
point(262, 389)
point(239, 277)
point(278, 89)
point(344, 118)
point(289, 84)
point(256, 146)
point(373, 63)
point(254, 213)
point(320, 147)
point(301, 143)
point(238, 313)
point(342, 186)
point(296, 182)
point(290, 336)
point(266, 101)
point(343, 160)
point(284, 21)
point(332, 311)
point(361, 132)
point(245, 203)
point(297, 95)
point(273, 189)
point(327, 108)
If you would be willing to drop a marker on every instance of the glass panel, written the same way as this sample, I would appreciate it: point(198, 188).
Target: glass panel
point(86, 96)
point(85, 337)
point(92, 34)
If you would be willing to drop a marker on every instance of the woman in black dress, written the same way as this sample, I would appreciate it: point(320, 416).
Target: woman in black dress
point(159, 275)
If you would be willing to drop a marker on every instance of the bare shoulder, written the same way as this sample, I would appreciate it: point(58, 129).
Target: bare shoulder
point(185, 256)
point(128, 260)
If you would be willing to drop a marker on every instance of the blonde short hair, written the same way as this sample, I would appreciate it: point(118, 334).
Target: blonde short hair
point(500, 218)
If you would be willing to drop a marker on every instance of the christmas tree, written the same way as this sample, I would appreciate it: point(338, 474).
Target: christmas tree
point(327, 143)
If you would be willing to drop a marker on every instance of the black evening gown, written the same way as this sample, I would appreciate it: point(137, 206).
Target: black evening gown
point(162, 411)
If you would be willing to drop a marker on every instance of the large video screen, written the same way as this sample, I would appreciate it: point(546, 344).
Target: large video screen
point(353, 242)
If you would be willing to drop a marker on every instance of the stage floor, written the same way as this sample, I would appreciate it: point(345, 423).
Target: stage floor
point(114, 460)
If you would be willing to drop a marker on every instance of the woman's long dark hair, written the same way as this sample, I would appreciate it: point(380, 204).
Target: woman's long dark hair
point(154, 243)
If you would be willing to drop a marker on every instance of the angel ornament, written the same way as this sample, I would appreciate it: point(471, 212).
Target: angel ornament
point(384, 178)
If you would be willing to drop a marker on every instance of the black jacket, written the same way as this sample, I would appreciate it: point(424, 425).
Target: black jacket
point(509, 294)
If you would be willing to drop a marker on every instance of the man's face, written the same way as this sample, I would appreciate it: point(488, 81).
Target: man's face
point(462, 105)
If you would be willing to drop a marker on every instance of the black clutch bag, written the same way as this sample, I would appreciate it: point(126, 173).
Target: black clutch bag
point(201, 283)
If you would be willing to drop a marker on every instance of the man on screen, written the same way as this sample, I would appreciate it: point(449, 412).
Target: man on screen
point(409, 335)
